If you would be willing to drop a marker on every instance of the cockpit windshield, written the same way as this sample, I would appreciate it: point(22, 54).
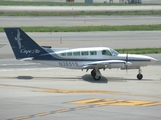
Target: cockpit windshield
point(114, 52)
point(106, 52)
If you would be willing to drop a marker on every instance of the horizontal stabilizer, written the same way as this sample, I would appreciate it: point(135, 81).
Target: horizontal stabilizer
point(26, 59)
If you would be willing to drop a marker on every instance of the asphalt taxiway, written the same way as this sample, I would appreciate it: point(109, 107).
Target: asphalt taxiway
point(78, 8)
point(10, 21)
point(113, 39)
point(38, 92)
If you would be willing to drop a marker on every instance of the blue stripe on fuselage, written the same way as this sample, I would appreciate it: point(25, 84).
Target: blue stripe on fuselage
point(49, 57)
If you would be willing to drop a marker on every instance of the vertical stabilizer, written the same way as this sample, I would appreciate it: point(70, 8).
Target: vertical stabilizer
point(23, 46)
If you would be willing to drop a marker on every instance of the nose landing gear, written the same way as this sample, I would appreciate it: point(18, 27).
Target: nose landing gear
point(139, 76)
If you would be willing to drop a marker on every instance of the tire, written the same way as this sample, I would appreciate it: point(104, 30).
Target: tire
point(139, 76)
point(93, 73)
point(97, 77)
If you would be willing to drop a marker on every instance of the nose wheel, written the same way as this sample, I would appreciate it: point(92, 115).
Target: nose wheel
point(139, 76)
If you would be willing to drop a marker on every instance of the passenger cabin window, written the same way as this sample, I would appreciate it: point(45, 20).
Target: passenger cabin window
point(76, 53)
point(69, 53)
point(84, 53)
point(63, 54)
point(106, 52)
point(93, 52)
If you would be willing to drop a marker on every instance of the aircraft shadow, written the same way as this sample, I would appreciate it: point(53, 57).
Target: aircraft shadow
point(89, 78)
point(51, 78)
point(86, 77)
point(122, 79)
point(25, 77)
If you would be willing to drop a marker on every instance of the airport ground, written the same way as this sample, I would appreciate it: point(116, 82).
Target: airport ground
point(37, 92)
point(14, 21)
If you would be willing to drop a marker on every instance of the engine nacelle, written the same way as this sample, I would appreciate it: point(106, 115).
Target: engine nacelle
point(116, 65)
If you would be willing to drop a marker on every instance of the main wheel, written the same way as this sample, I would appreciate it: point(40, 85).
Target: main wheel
point(139, 76)
point(93, 73)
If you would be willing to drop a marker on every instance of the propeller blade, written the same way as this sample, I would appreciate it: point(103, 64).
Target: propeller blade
point(126, 61)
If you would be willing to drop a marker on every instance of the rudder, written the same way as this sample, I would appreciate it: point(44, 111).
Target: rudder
point(23, 46)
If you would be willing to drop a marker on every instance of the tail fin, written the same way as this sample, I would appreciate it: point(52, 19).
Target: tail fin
point(23, 46)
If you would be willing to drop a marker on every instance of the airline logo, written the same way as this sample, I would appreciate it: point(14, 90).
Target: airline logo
point(21, 48)
point(18, 39)
point(30, 51)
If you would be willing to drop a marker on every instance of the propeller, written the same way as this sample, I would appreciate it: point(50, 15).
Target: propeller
point(126, 61)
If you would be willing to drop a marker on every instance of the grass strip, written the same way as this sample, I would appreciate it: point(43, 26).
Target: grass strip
point(32, 3)
point(140, 50)
point(90, 28)
point(107, 13)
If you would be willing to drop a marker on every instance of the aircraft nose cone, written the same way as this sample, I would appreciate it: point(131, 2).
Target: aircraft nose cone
point(153, 60)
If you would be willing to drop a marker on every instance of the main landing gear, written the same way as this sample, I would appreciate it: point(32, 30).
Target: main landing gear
point(139, 75)
point(95, 73)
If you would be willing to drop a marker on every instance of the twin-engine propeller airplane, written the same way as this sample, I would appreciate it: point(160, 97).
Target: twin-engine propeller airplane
point(95, 58)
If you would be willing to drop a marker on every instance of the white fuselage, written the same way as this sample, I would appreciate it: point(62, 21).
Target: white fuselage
point(77, 58)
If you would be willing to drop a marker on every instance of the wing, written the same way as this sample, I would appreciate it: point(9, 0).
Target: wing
point(107, 64)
